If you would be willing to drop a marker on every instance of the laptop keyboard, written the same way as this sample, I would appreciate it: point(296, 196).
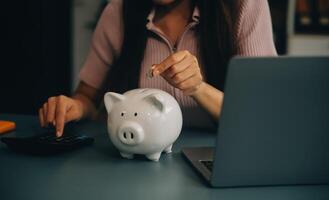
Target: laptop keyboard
point(208, 164)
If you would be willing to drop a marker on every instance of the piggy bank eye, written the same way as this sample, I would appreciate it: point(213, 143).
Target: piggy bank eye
point(135, 114)
point(122, 114)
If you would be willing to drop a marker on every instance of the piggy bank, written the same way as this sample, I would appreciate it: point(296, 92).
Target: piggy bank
point(143, 121)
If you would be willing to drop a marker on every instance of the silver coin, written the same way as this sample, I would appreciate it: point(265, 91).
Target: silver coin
point(149, 74)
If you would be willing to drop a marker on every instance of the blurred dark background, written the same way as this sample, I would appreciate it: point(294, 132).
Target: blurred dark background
point(36, 58)
point(44, 44)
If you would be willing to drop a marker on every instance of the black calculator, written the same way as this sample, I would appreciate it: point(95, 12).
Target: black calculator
point(47, 143)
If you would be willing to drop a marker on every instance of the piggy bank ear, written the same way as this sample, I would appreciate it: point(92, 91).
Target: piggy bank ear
point(111, 98)
point(157, 100)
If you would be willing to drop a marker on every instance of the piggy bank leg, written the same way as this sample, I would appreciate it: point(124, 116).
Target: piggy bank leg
point(168, 149)
point(154, 156)
point(127, 155)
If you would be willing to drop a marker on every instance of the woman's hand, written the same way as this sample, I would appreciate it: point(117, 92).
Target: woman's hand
point(60, 110)
point(182, 71)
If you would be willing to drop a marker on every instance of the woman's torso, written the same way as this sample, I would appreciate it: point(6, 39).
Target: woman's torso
point(253, 35)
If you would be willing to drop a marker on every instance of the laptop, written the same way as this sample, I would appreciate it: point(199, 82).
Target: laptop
point(274, 125)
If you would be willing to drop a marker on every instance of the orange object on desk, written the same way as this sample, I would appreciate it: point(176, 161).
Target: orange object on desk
point(6, 126)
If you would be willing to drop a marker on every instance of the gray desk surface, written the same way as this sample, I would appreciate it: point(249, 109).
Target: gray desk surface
point(98, 172)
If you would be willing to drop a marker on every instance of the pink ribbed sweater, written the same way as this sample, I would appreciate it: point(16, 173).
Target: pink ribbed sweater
point(253, 35)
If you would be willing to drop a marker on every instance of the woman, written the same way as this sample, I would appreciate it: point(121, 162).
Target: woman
point(185, 43)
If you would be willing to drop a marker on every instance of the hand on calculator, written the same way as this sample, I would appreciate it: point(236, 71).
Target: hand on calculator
point(47, 142)
point(59, 110)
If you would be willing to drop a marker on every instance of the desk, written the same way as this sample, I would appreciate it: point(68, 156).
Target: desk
point(98, 172)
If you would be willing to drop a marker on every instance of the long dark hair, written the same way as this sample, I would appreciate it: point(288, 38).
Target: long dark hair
point(215, 35)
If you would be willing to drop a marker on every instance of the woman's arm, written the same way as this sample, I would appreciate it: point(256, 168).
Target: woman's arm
point(254, 37)
point(87, 96)
point(210, 98)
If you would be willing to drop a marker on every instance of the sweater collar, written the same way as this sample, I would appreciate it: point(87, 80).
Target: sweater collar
point(195, 17)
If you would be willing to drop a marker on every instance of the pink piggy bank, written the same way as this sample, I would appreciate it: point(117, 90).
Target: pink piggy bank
point(143, 121)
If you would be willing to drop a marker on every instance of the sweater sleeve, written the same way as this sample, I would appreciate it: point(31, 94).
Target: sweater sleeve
point(105, 45)
point(254, 36)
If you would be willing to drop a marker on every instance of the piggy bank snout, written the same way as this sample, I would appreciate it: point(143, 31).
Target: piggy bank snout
point(131, 133)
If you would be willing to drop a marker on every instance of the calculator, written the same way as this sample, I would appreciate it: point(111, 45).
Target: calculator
point(47, 143)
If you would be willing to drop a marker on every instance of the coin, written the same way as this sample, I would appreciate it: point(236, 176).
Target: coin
point(149, 73)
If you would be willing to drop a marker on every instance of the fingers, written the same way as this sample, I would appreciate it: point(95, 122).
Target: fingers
point(179, 67)
point(51, 110)
point(54, 112)
point(47, 112)
point(184, 75)
point(168, 62)
point(60, 115)
point(41, 118)
point(58, 111)
point(44, 112)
